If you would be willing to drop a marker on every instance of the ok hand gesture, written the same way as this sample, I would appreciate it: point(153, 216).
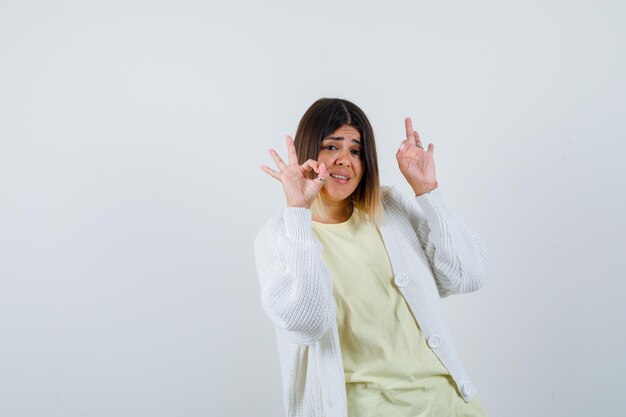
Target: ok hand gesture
point(416, 164)
point(299, 190)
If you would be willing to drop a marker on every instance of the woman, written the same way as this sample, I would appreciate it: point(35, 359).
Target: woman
point(352, 275)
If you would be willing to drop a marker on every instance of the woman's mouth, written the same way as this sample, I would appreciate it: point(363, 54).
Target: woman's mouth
point(342, 179)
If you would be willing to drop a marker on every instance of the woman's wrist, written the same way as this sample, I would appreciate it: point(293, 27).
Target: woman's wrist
point(424, 188)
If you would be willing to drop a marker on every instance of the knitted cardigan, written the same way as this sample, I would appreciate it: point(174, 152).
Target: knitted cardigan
point(433, 254)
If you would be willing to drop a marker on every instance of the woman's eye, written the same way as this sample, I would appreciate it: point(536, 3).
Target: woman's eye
point(356, 152)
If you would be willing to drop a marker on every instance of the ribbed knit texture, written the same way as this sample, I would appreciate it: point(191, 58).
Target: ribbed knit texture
point(427, 244)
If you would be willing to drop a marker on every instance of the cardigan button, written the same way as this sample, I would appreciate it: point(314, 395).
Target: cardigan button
point(466, 389)
point(434, 341)
point(401, 280)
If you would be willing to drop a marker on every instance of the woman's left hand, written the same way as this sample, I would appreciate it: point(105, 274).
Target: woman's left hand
point(416, 164)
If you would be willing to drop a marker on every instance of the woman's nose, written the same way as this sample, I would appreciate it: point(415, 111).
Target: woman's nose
point(343, 159)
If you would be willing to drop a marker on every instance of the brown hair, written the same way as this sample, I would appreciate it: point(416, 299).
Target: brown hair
point(321, 119)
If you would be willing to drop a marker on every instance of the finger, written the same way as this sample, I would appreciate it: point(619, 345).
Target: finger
point(431, 148)
point(310, 164)
point(322, 173)
point(293, 156)
point(279, 162)
point(408, 124)
point(271, 172)
point(322, 170)
point(403, 145)
point(418, 141)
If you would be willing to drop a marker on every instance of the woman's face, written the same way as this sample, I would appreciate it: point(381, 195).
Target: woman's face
point(341, 154)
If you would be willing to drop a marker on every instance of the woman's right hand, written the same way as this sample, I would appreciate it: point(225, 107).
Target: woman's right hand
point(299, 190)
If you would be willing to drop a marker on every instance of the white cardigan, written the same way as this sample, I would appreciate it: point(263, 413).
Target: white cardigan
point(433, 254)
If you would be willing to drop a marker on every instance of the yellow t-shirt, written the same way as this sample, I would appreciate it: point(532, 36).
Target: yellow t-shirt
point(388, 367)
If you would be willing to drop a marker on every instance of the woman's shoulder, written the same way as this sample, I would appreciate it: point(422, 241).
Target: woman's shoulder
point(391, 195)
point(400, 202)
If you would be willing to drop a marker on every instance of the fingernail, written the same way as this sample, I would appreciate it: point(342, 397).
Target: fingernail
point(402, 147)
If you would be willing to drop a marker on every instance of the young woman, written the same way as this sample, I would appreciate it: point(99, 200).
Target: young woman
point(352, 275)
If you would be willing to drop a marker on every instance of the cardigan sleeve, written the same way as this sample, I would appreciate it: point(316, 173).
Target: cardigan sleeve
point(456, 254)
point(296, 286)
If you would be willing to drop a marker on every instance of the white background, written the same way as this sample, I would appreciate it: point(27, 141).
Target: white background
point(131, 135)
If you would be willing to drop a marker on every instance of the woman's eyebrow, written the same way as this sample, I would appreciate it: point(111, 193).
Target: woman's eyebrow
point(341, 138)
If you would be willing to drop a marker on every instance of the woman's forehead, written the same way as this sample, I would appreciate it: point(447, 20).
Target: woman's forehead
point(348, 133)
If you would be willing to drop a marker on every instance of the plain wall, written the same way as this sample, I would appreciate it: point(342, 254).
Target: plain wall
point(131, 136)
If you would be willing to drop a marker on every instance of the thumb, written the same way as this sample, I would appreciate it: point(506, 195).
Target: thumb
point(322, 173)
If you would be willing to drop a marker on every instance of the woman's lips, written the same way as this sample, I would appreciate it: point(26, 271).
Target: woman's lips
point(340, 180)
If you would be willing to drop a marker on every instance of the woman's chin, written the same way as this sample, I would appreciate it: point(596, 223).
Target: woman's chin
point(336, 196)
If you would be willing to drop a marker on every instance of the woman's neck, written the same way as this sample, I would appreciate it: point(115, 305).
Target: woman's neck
point(336, 212)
